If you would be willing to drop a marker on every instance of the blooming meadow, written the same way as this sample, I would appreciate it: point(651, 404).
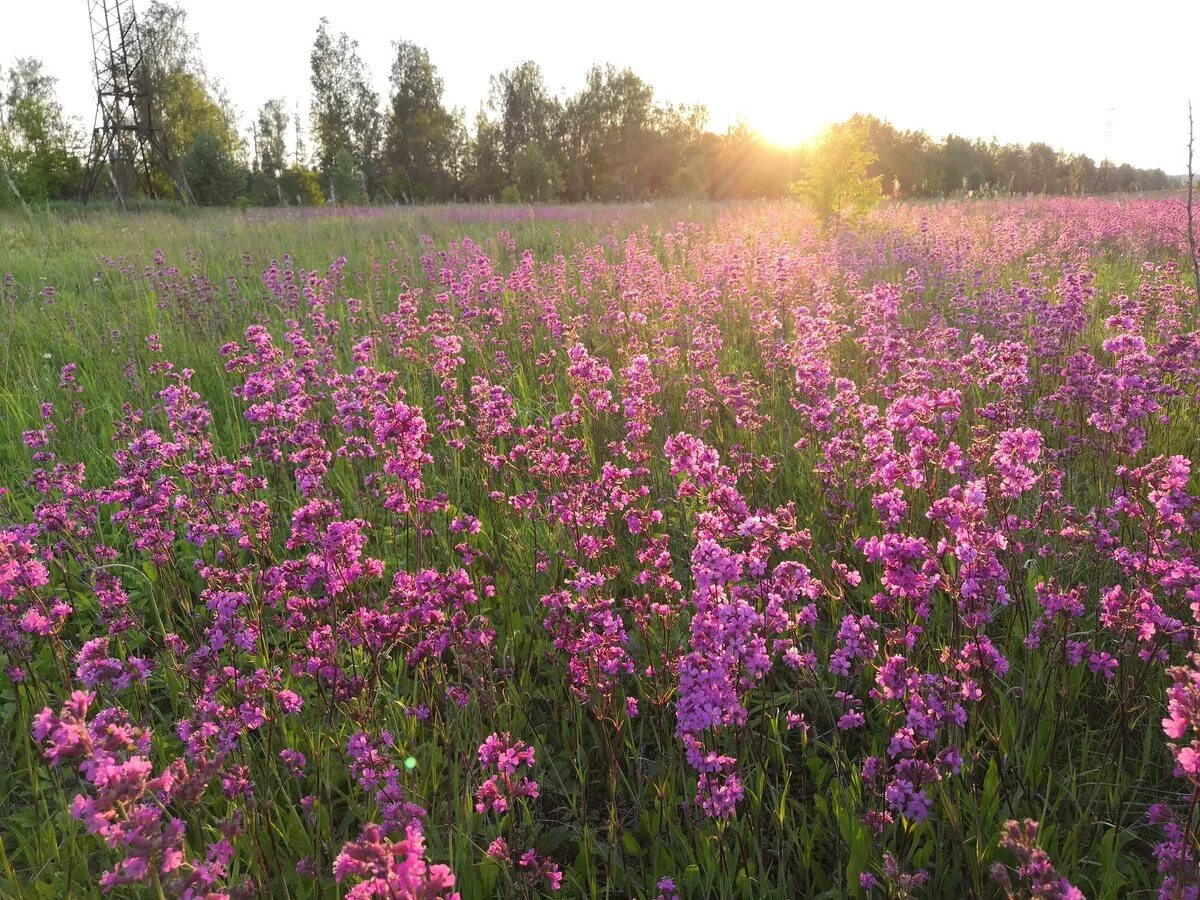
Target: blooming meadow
point(654, 553)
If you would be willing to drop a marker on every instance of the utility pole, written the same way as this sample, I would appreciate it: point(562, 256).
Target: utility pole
point(125, 138)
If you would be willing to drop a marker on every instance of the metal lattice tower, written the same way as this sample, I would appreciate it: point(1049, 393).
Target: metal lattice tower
point(125, 136)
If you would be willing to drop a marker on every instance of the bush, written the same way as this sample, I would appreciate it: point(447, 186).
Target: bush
point(214, 176)
point(263, 189)
point(301, 187)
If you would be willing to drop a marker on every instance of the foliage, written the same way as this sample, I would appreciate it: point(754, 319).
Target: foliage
point(486, 176)
point(214, 176)
point(535, 177)
point(610, 141)
point(264, 187)
point(271, 137)
point(345, 108)
point(38, 144)
point(423, 141)
point(910, 164)
point(187, 102)
point(346, 180)
point(301, 186)
point(742, 166)
point(609, 129)
point(836, 180)
point(261, 189)
point(528, 115)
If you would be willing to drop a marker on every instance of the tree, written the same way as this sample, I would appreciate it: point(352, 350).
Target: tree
point(1081, 170)
point(459, 152)
point(421, 136)
point(1044, 169)
point(675, 163)
point(528, 114)
point(299, 147)
point(271, 137)
point(960, 165)
point(837, 177)
point(742, 165)
point(535, 177)
point(185, 100)
point(213, 174)
point(609, 134)
point(485, 177)
point(346, 180)
point(270, 153)
point(1014, 169)
point(345, 108)
point(37, 141)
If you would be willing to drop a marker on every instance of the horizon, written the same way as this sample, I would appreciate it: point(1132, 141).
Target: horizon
point(1126, 123)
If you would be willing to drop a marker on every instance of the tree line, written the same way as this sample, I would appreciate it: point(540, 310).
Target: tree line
point(611, 141)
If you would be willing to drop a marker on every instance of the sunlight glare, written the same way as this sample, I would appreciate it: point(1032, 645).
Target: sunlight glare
point(782, 119)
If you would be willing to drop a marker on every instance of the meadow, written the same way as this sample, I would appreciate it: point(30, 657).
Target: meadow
point(654, 551)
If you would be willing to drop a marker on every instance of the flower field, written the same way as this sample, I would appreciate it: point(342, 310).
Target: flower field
point(643, 552)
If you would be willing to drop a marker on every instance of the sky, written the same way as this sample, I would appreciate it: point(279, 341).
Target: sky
point(1107, 80)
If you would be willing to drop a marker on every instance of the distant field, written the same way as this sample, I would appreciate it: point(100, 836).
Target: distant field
point(625, 551)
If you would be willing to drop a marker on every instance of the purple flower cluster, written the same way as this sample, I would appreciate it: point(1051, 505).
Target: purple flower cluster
point(1034, 874)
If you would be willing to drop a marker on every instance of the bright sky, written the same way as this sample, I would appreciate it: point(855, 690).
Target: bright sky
point(1107, 80)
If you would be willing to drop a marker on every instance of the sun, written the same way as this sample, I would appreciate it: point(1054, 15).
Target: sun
point(783, 133)
point(783, 121)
